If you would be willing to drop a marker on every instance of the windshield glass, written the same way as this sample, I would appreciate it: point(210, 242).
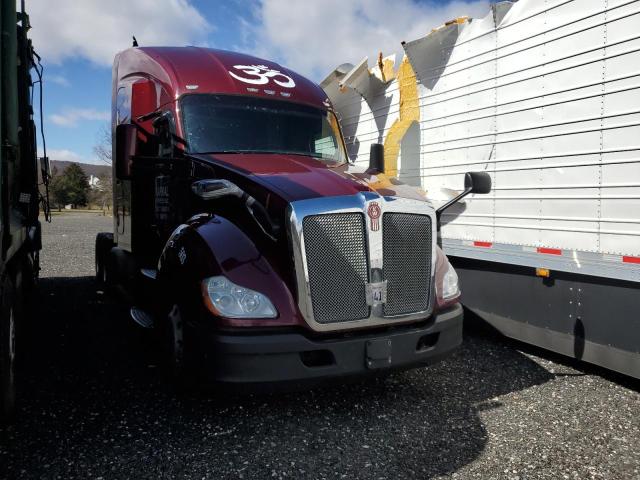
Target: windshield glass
point(232, 124)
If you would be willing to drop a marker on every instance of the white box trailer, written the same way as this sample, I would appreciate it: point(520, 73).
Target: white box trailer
point(545, 97)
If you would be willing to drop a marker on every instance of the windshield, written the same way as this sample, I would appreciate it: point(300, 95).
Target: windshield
point(235, 124)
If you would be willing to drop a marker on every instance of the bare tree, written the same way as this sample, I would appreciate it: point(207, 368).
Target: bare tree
point(102, 150)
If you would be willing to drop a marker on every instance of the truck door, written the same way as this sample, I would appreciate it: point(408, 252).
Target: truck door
point(171, 181)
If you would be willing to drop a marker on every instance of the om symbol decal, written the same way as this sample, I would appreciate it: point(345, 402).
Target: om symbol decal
point(261, 74)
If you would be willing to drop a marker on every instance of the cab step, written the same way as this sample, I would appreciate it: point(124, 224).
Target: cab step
point(142, 317)
point(149, 273)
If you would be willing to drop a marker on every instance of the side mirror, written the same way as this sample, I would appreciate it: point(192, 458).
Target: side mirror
point(162, 129)
point(126, 138)
point(477, 182)
point(474, 182)
point(211, 189)
point(376, 158)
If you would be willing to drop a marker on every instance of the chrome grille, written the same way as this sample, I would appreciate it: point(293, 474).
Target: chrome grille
point(338, 266)
point(406, 244)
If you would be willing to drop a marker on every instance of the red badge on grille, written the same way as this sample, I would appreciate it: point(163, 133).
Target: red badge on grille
point(374, 212)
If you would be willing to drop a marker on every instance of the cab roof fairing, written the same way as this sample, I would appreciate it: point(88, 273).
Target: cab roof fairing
point(195, 70)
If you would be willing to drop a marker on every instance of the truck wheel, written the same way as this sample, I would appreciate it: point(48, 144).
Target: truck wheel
point(7, 349)
point(174, 347)
point(104, 244)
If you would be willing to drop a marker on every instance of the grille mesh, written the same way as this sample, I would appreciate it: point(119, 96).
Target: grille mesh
point(406, 243)
point(337, 261)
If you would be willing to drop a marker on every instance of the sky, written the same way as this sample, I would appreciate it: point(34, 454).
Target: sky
point(77, 41)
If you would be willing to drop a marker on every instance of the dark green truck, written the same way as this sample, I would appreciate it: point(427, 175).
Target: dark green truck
point(19, 194)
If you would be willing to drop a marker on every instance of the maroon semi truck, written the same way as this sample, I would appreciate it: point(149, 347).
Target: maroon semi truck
point(243, 234)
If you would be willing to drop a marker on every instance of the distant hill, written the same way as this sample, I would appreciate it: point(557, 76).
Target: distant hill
point(89, 168)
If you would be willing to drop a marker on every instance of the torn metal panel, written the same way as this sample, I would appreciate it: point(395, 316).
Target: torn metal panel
point(351, 109)
point(384, 69)
point(500, 10)
point(361, 79)
point(348, 106)
point(429, 55)
point(389, 104)
point(331, 84)
point(372, 86)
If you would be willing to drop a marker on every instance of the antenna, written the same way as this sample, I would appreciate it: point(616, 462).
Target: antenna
point(135, 42)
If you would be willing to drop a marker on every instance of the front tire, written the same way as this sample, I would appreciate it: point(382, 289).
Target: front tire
point(174, 347)
point(104, 244)
point(7, 349)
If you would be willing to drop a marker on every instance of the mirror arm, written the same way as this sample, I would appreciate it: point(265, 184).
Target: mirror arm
point(252, 203)
point(138, 124)
point(456, 199)
point(376, 158)
point(179, 140)
point(254, 208)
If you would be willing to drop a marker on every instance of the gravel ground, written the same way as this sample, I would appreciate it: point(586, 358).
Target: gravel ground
point(93, 406)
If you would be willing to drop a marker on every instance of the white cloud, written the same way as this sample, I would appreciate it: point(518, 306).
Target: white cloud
point(97, 29)
point(64, 155)
point(57, 79)
point(315, 37)
point(71, 116)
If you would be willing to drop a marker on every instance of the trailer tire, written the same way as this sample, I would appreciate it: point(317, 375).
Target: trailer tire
point(8, 314)
point(104, 244)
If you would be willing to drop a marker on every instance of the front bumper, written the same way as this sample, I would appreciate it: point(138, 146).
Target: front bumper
point(286, 358)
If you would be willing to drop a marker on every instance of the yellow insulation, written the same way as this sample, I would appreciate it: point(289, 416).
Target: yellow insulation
point(409, 113)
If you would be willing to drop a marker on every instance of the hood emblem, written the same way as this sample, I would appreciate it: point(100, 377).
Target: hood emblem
point(374, 212)
point(261, 75)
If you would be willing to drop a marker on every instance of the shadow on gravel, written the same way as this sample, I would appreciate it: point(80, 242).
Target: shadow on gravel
point(93, 405)
point(477, 327)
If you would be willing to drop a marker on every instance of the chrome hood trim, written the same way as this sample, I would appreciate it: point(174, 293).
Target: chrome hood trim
point(359, 203)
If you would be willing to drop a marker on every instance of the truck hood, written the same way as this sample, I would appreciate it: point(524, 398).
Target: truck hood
point(298, 177)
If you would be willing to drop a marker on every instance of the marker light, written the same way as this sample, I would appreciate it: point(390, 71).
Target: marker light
point(543, 272)
point(226, 299)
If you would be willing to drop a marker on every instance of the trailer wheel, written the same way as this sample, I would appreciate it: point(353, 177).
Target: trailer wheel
point(7, 349)
point(104, 244)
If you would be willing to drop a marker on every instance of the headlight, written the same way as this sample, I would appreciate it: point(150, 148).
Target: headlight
point(447, 288)
point(227, 299)
point(450, 288)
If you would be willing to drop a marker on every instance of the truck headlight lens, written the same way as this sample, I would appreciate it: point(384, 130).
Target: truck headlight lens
point(450, 288)
point(226, 299)
point(447, 287)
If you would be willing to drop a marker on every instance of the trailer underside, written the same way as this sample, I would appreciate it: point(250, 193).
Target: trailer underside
point(588, 318)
